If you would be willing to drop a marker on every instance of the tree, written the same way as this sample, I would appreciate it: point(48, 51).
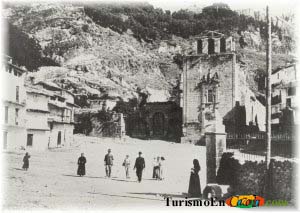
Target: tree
point(25, 50)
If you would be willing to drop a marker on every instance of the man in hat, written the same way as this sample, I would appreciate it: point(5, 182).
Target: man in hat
point(139, 166)
point(108, 162)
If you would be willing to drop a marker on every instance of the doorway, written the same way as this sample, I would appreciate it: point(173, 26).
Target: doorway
point(158, 124)
point(29, 139)
point(211, 46)
point(59, 138)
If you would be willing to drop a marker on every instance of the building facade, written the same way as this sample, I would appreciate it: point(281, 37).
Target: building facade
point(37, 114)
point(155, 120)
point(13, 105)
point(212, 80)
point(285, 91)
point(61, 115)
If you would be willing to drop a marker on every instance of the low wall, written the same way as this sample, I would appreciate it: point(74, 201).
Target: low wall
point(250, 178)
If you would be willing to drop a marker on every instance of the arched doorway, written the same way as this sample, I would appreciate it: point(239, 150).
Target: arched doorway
point(158, 124)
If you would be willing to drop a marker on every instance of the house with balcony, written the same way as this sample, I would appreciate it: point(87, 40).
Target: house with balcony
point(13, 104)
point(37, 113)
point(61, 114)
point(285, 91)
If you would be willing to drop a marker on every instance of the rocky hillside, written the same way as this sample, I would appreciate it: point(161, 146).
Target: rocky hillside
point(97, 57)
point(122, 50)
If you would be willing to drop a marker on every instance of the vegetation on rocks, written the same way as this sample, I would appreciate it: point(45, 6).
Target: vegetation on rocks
point(107, 49)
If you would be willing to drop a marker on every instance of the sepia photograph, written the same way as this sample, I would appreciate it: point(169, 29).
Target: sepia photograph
point(151, 104)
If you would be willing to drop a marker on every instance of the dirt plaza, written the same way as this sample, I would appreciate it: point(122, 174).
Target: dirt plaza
point(52, 183)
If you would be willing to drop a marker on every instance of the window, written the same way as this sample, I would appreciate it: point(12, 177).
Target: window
point(210, 96)
point(288, 102)
point(277, 75)
point(51, 125)
point(292, 91)
point(6, 114)
point(17, 93)
point(29, 139)
point(17, 117)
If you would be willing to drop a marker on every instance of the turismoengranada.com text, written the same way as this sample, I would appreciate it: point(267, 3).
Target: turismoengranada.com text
point(194, 202)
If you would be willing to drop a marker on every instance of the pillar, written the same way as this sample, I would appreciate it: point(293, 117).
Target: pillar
point(215, 147)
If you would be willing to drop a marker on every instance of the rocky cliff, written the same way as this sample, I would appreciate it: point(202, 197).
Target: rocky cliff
point(93, 59)
point(101, 60)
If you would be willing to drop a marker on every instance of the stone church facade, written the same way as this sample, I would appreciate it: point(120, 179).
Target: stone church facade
point(211, 78)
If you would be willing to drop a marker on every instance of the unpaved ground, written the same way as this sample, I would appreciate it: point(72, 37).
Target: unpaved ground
point(51, 181)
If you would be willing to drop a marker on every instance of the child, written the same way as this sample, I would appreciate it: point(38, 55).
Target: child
point(26, 161)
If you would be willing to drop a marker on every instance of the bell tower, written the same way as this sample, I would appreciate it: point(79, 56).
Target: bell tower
point(209, 82)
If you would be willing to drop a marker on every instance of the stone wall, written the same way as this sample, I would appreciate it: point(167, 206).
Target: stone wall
point(197, 66)
point(156, 120)
point(250, 178)
point(107, 124)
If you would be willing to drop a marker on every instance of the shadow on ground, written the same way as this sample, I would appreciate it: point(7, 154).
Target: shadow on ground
point(113, 178)
point(125, 196)
point(183, 195)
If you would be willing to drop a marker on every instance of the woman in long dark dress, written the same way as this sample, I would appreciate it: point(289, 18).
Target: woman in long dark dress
point(194, 184)
point(81, 165)
point(26, 161)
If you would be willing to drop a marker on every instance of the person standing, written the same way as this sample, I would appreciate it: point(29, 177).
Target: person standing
point(81, 165)
point(26, 161)
point(108, 162)
point(156, 169)
point(139, 166)
point(161, 168)
point(194, 184)
point(154, 165)
point(126, 164)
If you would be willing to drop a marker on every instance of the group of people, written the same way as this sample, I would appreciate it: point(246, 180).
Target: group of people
point(158, 168)
point(139, 165)
point(194, 189)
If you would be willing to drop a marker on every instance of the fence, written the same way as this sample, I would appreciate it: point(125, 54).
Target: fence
point(282, 144)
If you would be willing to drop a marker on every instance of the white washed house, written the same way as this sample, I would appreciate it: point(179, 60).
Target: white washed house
point(13, 100)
